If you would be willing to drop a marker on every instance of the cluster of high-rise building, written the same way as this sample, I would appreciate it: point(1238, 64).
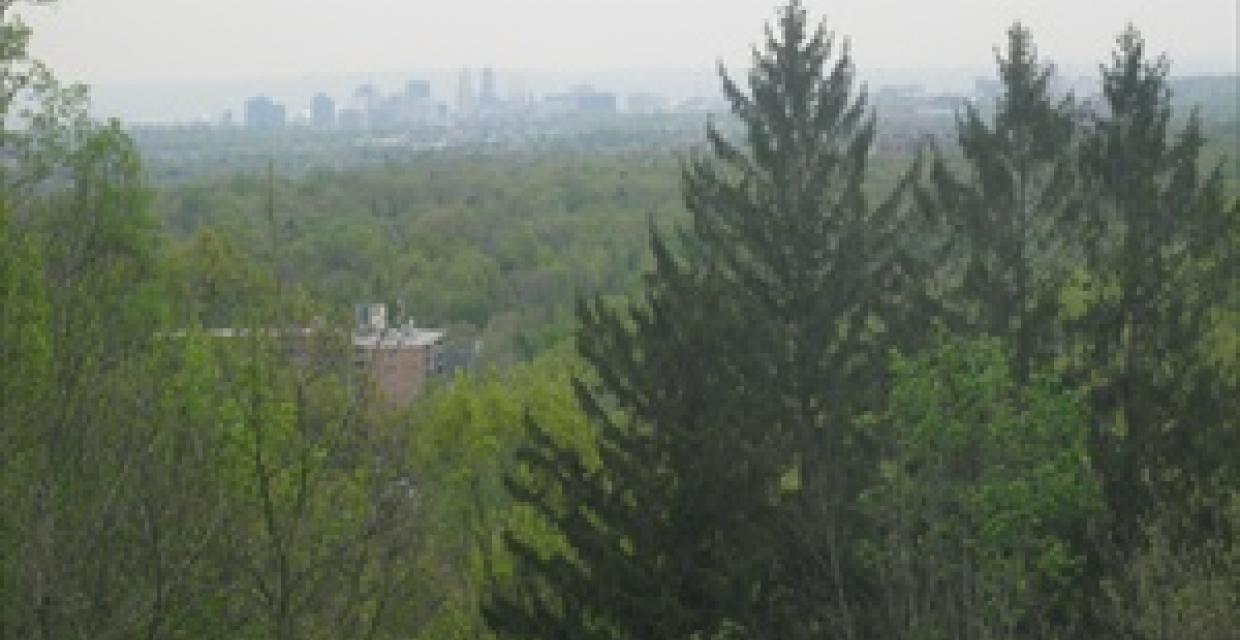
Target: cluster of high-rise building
point(414, 105)
point(370, 109)
point(264, 113)
point(481, 100)
point(478, 100)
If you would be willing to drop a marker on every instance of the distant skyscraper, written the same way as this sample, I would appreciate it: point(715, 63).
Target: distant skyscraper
point(323, 111)
point(418, 90)
point(487, 95)
point(263, 113)
point(465, 98)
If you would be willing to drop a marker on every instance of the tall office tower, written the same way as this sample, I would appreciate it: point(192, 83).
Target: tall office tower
point(488, 96)
point(417, 90)
point(323, 111)
point(465, 98)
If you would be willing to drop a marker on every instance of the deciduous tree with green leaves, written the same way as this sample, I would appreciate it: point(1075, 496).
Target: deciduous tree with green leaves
point(984, 480)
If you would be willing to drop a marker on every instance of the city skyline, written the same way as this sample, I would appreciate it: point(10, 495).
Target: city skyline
point(368, 106)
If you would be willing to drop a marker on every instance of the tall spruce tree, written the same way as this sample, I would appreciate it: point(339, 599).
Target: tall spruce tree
point(1002, 214)
point(1161, 264)
point(725, 399)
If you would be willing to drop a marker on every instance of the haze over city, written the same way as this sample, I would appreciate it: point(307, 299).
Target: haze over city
point(147, 58)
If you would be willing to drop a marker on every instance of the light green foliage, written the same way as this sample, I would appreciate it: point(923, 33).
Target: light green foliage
point(502, 228)
point(178, 491)
point(984, 483)
point(41, 120)
point(25, 354)
point(80, 252)
point(156, 482)
point(101, 244)
point(24, 343)
point(212, 282)
point(467, 433)
point(492, 246)
point(321, 498)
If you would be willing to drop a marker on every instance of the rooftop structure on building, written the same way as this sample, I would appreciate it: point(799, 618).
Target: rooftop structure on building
point(400, 359)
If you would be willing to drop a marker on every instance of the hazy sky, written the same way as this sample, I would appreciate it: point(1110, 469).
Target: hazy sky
point(138, 41)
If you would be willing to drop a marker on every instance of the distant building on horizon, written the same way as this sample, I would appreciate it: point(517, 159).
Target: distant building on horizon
point(465, 97)
point(263, 113)
point(419, 106)
point(323, 111)
point(647, 103)
point(416, 90)
point(367, 97)
point(400, 360)
point(488, 95)
point(582, 99)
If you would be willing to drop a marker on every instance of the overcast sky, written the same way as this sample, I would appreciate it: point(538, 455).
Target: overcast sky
point(139, 41)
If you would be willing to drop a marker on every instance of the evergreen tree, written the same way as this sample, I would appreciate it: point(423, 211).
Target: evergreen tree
point(1160, 264)
point(1004, 242)
point(726, 398)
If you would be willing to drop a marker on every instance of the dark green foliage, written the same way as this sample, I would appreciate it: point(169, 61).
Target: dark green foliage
point(1006, 251)
point(669, 542)
point(1168, 590)
point(726, 397)
point(1160, 268)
